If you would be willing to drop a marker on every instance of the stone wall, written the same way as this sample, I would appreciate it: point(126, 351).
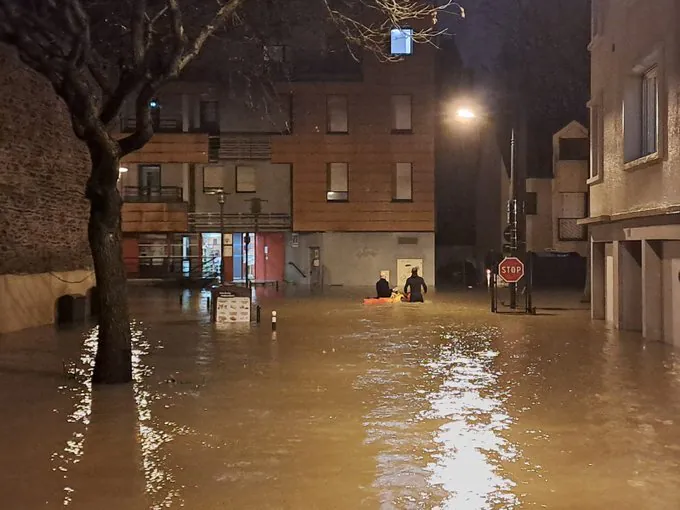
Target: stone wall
point(43, 171)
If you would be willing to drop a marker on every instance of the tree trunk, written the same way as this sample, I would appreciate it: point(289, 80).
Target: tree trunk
point(113, 362)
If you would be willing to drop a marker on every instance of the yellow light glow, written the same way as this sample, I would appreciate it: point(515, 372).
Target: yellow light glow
point(466, 113)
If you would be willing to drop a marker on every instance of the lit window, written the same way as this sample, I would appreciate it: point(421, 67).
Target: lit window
point(336, 109)
point(403, 182)
point(401, 113)
point(641, 115)
point(338, 182)
point(245, 179)
point(401, 41)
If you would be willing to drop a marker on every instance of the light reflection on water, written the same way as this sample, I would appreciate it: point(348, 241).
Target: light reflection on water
point(472, 447)
point(160, 484)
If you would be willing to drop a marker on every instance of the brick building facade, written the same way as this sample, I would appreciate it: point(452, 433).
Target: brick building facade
point(44, 251)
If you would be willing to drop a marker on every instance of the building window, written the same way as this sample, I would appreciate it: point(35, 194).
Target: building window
point(150, 178)
point(574, 149)
point(401, 41)
point(403, 182)
point(531, 204)
point(596, 140)
point(338, 182)
point(213, 179)
point(641, 115)
point(402, 113)
point(245, 179)
point(209, 116)
point(336, 111)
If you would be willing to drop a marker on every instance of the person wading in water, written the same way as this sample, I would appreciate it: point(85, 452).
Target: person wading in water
point(415, 287)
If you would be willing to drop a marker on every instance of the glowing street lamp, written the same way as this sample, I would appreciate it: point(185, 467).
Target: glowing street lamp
point(466, 113)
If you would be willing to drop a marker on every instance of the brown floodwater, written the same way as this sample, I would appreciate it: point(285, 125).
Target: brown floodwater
point(434, 406)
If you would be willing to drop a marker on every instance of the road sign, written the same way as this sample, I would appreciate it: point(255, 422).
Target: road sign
point(511, 269)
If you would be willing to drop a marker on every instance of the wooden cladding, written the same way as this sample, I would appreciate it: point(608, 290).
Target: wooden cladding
point(172, 148)
point(155, 217)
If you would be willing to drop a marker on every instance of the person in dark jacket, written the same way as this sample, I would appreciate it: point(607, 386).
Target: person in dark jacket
point(415, 287)
point(382, 288)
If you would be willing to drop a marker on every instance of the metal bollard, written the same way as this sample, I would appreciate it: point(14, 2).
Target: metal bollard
point(207, 302)
point(258, 311)
point(274, 320)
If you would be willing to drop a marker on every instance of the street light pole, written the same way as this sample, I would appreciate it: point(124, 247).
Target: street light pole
point(220, 199)
point(512, 205)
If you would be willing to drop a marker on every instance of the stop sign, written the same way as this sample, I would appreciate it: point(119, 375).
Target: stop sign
point(511, 269)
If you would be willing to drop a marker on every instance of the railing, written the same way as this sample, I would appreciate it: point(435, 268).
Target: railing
point(152, 194)
point(239, 222)
point(568, 229)
point(295, 266)
point(163, 125)
point(240, 147)
point(170, 268)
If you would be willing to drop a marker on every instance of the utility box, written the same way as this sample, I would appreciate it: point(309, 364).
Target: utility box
point(231, 304)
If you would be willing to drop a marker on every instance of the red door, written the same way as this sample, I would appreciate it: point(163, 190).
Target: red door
point(270, 256)
point(131, 256)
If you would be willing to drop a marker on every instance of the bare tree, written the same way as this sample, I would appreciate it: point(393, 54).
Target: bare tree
point(101, 54)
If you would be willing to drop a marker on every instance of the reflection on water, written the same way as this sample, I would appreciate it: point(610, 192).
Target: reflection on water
point(161, 489)
point(439, 406)
point(471, 402)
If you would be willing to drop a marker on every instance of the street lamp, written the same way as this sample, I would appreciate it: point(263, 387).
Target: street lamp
point(514, 212)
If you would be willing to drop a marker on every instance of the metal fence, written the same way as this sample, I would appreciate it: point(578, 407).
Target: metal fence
point(152, 194)
point(239, 222)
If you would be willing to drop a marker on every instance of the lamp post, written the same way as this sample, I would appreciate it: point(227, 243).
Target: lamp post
point(515, 231)
point(220, 200)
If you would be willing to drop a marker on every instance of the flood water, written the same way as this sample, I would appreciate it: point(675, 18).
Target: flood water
point(434, 406)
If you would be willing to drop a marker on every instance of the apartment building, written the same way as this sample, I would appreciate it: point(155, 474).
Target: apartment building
point(331, 178)
point(43, 211)
point(635, 167)
point(555, 205)
point(206, 178)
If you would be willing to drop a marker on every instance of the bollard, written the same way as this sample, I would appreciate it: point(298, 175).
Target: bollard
point(181, 299)
point(258, 311)
point(207, 302)
point(274, 320)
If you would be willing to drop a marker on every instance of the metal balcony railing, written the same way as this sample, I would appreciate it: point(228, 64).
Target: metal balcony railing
point(152, 194)
point(182, 268)
point(569, 230)
point(239, 222)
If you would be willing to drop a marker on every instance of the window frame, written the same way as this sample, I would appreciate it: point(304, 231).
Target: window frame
point(393, 109)
point(209, 127)
point(210, 190)
point(395, 182)
point(329, 130)
point(596, 135)
point(411, 36)
point(236, 181)
point(329, 190)
point(637, 152)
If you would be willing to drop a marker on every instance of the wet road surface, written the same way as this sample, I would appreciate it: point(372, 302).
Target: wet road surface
point(434, 406)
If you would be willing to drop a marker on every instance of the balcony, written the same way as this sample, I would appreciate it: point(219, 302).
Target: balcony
point(240, 147)
point(239, 222)
point(171, 148)
point(155, 217)
point(152, 194)
point(568, 229)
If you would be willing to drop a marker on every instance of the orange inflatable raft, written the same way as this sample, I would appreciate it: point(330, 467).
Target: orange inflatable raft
point(396, 298)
